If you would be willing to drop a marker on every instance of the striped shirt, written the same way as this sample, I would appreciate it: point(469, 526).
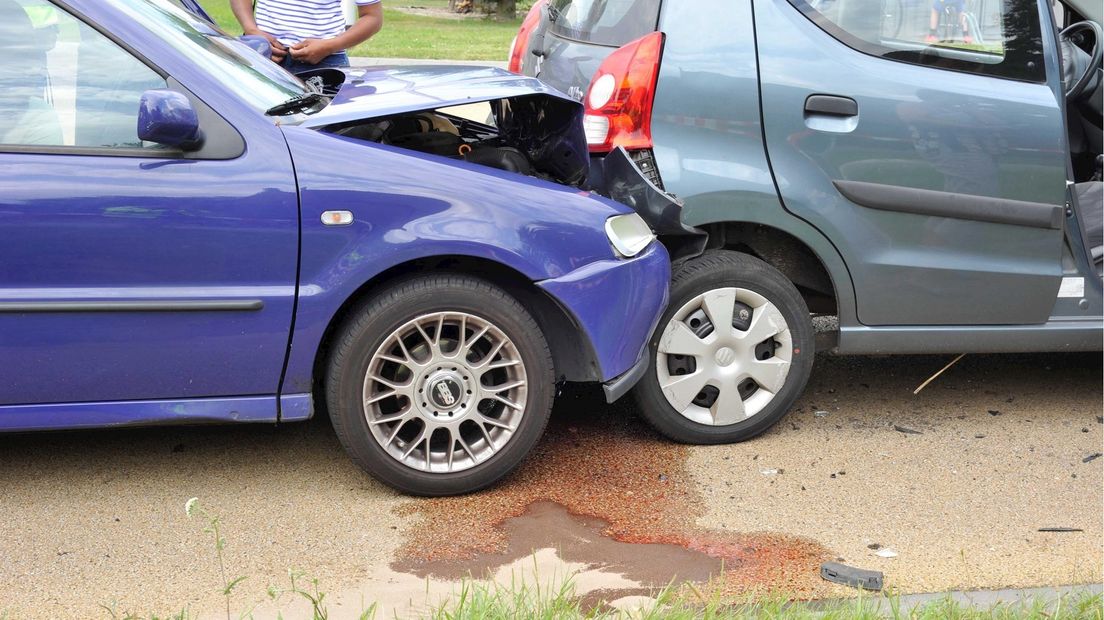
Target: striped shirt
point(291, 21)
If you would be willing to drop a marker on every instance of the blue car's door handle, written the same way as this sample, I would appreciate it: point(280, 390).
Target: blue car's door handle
point(831, 105)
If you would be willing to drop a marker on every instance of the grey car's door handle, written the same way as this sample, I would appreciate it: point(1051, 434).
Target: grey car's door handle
point(831, 105)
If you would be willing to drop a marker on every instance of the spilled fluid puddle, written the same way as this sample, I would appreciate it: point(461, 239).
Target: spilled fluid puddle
point(605, 491)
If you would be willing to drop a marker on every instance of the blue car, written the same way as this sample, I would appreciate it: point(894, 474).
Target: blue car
point(192, 234)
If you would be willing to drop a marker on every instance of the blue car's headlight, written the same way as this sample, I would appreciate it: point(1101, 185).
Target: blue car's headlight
point(629, 234)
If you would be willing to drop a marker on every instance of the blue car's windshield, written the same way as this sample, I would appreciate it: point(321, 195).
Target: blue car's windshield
point(254, 78)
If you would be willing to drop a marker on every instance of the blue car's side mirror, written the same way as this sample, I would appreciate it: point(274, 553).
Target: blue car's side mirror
point(167, 117)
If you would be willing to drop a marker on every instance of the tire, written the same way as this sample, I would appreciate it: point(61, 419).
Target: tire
point(446, 410)
point(686, 350)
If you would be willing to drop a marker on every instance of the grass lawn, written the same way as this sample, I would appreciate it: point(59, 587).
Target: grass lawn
point(416, 36)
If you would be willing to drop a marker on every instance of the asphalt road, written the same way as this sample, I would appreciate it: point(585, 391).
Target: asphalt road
point(956, 481)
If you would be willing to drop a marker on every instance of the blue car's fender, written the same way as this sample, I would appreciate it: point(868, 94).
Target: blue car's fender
point(409, 206)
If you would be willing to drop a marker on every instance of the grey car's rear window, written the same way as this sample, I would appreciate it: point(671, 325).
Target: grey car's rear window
point(604, 22)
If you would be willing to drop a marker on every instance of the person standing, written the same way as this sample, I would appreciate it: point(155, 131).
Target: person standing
point(307, 34)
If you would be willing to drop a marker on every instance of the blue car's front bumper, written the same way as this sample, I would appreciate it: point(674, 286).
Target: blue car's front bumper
point(617, 304)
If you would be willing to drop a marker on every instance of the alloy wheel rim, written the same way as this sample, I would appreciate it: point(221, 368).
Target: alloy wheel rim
point(445, 392)
point(716, 375)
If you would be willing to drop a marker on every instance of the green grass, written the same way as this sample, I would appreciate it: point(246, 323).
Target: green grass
point(482, 601)
point(415, 36)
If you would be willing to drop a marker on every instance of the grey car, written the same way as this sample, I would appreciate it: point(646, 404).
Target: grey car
point(924, 174)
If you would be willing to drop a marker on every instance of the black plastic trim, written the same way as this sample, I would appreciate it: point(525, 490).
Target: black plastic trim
point(949, 204)
point(618, 387)
point(186, 305)
point(851, 576)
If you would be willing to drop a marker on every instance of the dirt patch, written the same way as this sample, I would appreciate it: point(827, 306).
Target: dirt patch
point(603, 465)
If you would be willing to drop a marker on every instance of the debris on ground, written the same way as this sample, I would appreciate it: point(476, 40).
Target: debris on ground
point(979, 436)
point(941, 371)
point(1061, 529)
point(1092, 457)
point(851, 576)
point(885, 552)
point(906, 430)
point(770, 472)
point(994, 412)
point(820, 413)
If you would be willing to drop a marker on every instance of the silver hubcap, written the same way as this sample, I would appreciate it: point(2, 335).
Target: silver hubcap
point(723, 356)
point(445, 392)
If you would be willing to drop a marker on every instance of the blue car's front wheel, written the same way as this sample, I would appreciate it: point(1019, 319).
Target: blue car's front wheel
point(440, 384)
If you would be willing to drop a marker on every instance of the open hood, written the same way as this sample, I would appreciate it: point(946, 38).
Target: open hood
point(376, 92)
point(534, 129)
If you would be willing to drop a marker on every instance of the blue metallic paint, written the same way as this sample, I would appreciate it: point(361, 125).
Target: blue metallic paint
point(83, 228)
point(167, 117)
point(613, 300)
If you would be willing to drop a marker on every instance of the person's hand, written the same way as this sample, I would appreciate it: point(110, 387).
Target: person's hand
point(312, 51)
point(278, 49)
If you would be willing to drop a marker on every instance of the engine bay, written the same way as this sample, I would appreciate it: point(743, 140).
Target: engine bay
point(445, 135)
point(527, 135)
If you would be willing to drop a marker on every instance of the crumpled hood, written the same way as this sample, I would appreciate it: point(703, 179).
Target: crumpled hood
point(382, 91)
point(534, 118)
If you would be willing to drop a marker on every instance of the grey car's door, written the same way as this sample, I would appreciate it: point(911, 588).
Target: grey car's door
point(925, 139)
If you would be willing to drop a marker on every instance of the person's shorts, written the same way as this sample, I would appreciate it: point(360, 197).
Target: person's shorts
point(339, 59)
point(943, 5)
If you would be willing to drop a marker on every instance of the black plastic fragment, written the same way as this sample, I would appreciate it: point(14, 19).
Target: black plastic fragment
point(851, 576)
point(1061, 529)
point(906, 430)
point(1092, 457)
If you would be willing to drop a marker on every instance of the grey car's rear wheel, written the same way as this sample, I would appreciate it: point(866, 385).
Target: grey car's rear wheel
point(440, 385)
point(731, 354)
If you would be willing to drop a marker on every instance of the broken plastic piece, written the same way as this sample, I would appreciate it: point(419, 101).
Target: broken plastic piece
point(1061, 529)
point(885, 552)
point(851, 576)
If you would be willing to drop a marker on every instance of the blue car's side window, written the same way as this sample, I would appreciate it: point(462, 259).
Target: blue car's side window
point(990, 37)
point(64, 84)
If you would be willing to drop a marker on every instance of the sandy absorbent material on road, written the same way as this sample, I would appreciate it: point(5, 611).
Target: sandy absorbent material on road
point(998, 453)
point(97, 517)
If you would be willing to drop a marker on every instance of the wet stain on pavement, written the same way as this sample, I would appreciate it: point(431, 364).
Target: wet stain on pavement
point(608, 492)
